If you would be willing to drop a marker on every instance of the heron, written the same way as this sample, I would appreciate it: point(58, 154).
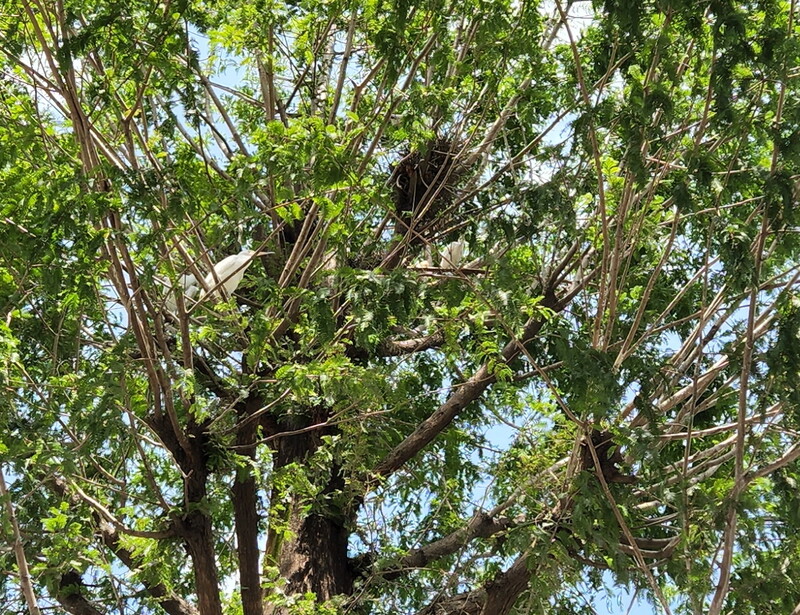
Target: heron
point(452, 254)
point(186, 283)
point(228, 273)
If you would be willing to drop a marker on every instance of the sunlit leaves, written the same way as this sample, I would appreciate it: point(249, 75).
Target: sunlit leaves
point(638, 177)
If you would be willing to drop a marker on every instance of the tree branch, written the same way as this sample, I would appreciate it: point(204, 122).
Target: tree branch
point(482, 525)
point(245, 510)
point(496, 597)
point(19, 550)
point(71, 597)
point(464, 394)
point(171, 603)
point(397, 348)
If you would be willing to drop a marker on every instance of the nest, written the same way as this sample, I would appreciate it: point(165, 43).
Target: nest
point(425, 185)
point(609, 456)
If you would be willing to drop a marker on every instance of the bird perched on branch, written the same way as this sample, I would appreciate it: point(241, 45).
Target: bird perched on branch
point(228, 273)
point(452, 254)
point(187, 283)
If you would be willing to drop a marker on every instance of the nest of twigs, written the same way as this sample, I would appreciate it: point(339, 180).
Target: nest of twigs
point(425, 185)
point(609, 456)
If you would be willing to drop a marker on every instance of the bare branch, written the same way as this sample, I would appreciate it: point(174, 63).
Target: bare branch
point(19, 550)
point(481, 525)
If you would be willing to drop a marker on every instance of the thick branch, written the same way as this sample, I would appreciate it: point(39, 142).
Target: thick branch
point(497, 597)
point(396, 348)
point(481, 525)
point(171, 603)
point(19, 551)
point(436, 423)
point(399, 348)
point(71, 597)
point(195, 525)
point(245, 511)
point(200, 544)
point(464, 394)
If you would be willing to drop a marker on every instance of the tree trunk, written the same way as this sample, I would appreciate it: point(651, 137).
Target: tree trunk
point(245, 510)
point(200, 543)
point(312, 555)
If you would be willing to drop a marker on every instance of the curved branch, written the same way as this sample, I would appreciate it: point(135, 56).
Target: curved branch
point(170, 602)
point(482, 525)
point(19, 550)
point(496, 597)
point(399, 348)
point(396, 348)
point(464, 394)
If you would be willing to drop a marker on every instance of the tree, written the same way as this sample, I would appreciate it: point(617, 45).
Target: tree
point(601, 393)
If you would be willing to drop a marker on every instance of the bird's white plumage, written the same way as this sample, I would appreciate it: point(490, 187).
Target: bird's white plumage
point(187, 284)
point(452, 254)
point(428, 262)
point(228, 272)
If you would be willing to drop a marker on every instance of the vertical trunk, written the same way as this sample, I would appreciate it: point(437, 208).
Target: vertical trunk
point(200, 543)
point(195, 526)
point(312, 556)
point(245, 510)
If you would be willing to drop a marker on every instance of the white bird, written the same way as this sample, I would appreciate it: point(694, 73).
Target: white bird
point(228, 273)
point(428, 262)
point(187, 283)
point(452, 254)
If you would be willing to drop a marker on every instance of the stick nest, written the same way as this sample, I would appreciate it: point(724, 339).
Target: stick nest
point(425, 184)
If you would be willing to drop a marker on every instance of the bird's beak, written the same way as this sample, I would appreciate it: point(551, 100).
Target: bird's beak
point(263, 253)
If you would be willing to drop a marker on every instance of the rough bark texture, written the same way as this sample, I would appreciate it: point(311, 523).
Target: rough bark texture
point(200, 543)
point(502, 592)
point(245, 510)
point(482, 525)
point(316, 560)
point(70, 595)
point(195, 526)
point(312, 556)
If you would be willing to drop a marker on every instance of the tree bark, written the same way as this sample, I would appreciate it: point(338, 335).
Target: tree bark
point(245, 510)
point(195, 525)
point(19, 551)
point(312, 555)
point(71, 597)
point(200, 544)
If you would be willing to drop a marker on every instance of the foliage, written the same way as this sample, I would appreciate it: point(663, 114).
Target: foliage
point(601, 395)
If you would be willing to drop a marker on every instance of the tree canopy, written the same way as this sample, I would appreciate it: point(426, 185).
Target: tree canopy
point(520, 329)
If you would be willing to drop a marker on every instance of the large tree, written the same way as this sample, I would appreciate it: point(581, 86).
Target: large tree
point(600, 393)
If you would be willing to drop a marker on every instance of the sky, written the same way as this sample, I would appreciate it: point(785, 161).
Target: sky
point(621, 600)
